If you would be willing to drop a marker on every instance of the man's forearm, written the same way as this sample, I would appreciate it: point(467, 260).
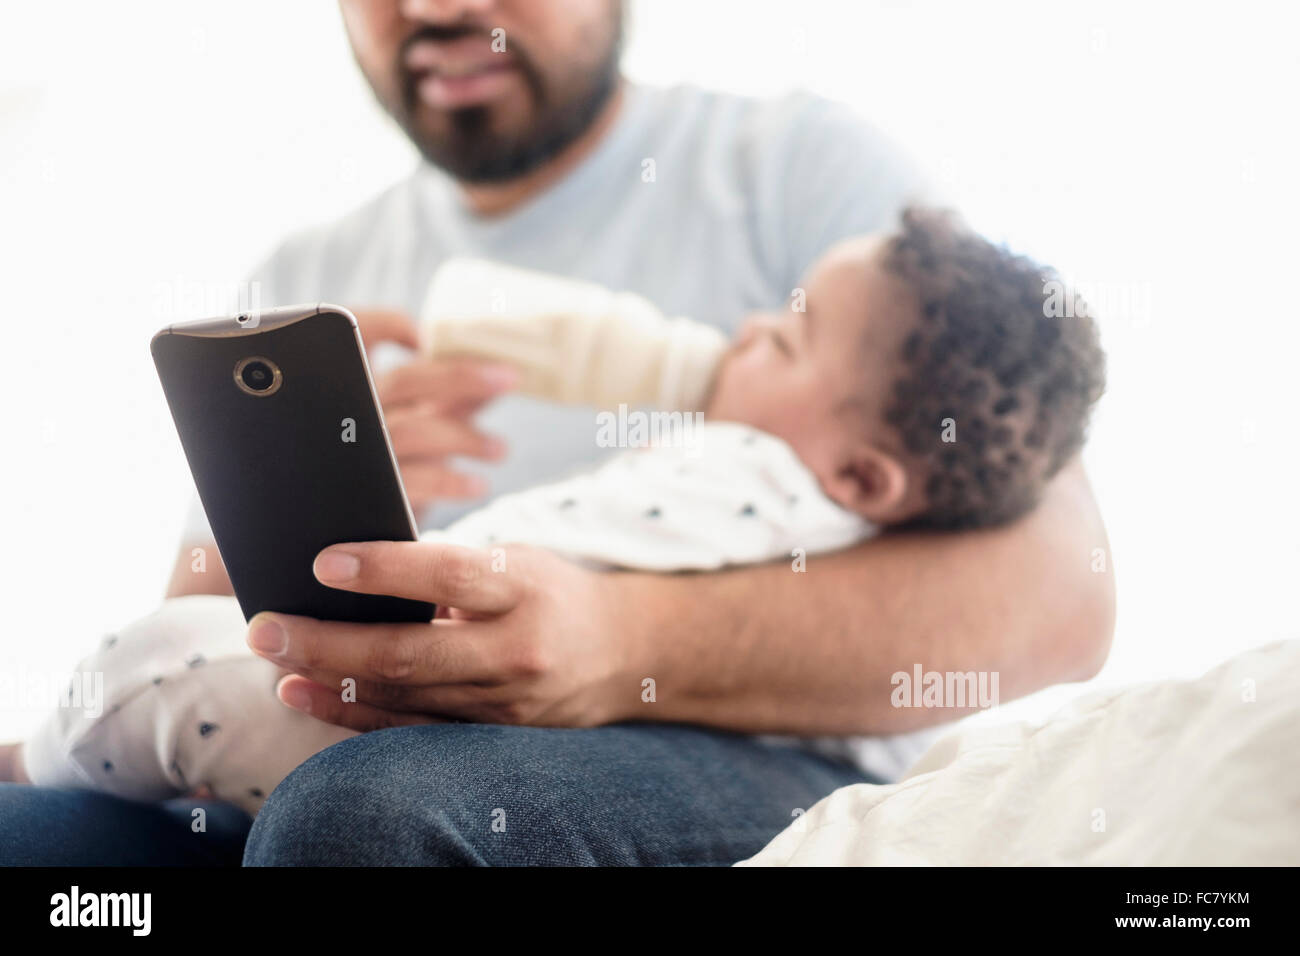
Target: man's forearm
point(773, 649)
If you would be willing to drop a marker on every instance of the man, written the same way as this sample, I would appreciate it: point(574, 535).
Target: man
point(540, 155)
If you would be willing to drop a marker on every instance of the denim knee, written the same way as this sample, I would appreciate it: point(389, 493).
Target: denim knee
point(435, 795)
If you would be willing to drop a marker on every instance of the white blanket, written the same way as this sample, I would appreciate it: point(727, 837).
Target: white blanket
point(1203, 772)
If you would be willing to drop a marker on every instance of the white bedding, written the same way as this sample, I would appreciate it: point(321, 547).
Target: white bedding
point(1203, 772)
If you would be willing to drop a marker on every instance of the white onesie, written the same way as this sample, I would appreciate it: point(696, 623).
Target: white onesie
point(185, 702)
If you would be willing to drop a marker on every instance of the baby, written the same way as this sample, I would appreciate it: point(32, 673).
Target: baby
point(914, 380)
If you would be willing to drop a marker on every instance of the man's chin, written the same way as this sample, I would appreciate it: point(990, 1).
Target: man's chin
point(481, 158)
point(483, 146)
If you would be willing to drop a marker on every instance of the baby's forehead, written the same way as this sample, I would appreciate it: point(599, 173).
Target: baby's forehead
point(860, 250)
point(852, 278)
point(851, 273)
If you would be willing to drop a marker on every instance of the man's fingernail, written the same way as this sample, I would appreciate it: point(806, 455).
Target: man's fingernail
point(337, 566)
point(296, 696)
point(266, 635)
point(495, 447)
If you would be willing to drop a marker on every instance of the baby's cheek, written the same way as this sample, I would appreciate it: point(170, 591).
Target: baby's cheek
point(799, 411)
point(727, 392)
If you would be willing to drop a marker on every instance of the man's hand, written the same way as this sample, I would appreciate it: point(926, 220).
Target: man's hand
point(428, 406)
point(522, 637)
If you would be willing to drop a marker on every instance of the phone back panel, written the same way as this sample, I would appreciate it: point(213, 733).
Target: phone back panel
point(283, 475)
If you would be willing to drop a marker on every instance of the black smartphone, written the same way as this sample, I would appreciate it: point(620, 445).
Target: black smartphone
point(278, 417)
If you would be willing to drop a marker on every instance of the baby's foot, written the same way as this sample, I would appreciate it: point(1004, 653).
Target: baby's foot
point(11, 764)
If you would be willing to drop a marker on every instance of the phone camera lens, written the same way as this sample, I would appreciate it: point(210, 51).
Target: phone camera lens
point(257, 376)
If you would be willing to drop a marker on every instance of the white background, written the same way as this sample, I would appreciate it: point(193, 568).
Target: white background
point(152, 152)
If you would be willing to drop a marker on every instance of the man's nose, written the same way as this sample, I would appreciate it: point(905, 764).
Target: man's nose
point(445, 11)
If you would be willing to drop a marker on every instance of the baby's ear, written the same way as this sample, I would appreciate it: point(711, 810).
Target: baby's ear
point(871, 483)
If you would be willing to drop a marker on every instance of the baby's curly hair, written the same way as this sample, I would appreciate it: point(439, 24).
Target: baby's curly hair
point(990, 365)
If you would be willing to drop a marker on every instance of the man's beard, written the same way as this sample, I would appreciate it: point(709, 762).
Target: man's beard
point(471, 151)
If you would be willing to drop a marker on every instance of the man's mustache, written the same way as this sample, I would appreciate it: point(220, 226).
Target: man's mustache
point(448, 34)
point(442, 34)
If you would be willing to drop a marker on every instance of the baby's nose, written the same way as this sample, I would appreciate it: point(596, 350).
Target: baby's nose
point(744, 333)
point(750, 327)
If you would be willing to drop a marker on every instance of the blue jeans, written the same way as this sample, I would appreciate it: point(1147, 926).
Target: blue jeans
point(461, 794)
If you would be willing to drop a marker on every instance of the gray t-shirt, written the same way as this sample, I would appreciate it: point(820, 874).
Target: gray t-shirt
point(708, 204)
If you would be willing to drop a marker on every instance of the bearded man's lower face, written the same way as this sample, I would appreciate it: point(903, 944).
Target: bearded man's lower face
point(489, 96)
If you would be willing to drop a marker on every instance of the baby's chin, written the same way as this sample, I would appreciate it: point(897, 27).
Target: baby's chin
point(726, 401)
point(721, 407)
